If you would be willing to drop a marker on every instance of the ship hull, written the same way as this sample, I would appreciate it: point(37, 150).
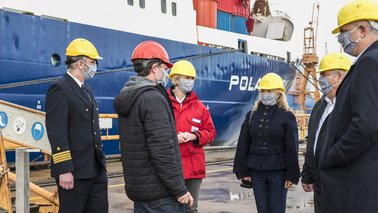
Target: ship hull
point(226, 80)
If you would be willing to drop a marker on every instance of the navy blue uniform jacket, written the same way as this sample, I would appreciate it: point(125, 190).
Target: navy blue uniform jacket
point(72, 123)
point(269, 142)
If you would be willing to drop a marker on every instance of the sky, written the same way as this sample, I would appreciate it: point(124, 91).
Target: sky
point(300, 11)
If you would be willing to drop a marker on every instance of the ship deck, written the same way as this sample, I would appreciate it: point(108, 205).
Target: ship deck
point(220, 190)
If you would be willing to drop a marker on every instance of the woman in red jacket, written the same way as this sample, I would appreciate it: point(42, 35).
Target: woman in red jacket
point(194, 126)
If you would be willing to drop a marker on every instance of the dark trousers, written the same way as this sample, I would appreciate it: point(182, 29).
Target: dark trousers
point(317, 199)
point(162, 205)
point(87, 196)
point(193, 186)
point(268, 188)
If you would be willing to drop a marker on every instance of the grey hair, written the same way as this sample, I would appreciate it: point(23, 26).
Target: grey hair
point(374, 25)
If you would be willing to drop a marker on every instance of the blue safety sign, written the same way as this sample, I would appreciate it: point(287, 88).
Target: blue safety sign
point(37, 130)
point(3, 119)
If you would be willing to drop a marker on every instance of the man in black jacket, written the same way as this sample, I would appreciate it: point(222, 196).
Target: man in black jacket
point(349, 161)
point(149, 146)
point(72, 122)
point(332, 70)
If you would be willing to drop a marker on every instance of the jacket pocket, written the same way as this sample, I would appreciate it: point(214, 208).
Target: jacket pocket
point(198, 160)
point(195, 124)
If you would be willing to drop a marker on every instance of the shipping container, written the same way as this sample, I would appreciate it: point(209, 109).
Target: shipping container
point(231, 23)
point(226, 5)
point(239, 25)
point(224, 21)
point(236, 7)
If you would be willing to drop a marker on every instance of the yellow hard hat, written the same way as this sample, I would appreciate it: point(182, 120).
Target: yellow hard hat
point(335, 61)
point(355, 11)
point(81, 46)
point(183, 67)
point(271, 81)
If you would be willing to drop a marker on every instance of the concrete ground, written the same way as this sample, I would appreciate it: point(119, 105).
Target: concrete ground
point(220, 191)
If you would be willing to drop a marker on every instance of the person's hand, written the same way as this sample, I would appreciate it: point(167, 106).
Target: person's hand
point(66, 181)
point(186, 199)
point(288, 184)
point(188, 136)
point(180, 138)
point(308, 187)
point(249, 179)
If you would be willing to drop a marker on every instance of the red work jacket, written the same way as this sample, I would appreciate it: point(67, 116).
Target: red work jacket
point(192, 116)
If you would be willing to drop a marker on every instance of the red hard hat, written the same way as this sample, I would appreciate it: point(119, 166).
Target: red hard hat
point(150, 50)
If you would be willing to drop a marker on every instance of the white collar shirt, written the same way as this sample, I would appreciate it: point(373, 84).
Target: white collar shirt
point(327, 111)
point(76, 80)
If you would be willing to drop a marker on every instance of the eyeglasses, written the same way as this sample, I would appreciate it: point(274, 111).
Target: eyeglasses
point(343, 30)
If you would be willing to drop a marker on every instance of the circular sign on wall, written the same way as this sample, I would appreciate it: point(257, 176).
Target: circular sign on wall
point(3, 119)
point(19, 125)
point(37, 130)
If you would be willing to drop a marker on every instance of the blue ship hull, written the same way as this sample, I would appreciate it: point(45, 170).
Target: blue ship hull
point(28, 43)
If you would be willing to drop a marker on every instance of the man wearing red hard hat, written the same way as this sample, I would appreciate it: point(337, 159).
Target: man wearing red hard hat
point(149, 146)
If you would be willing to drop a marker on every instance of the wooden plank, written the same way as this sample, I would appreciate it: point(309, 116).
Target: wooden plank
point(51, 197)
point(5, 197)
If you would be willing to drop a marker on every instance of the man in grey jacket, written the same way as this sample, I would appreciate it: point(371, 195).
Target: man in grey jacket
point(149, 146)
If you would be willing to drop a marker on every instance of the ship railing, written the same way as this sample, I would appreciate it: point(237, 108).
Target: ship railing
point(23, 128)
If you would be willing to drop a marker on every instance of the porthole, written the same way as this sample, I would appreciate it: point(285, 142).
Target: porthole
point(55, 60)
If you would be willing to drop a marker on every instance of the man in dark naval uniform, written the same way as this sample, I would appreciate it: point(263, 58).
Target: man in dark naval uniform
point(349, 157)
point(332, 70)
point(72, 122)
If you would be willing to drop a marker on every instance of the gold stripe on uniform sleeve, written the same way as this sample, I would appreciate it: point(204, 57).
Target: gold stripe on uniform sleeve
point(61, 153)
point(67, 156)
point(62, 160)
point(61, 156)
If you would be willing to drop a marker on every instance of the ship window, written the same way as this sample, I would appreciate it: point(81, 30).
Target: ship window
point(163, 6)
point(130, 2)
point(242, 46)
point(142, 3)
point(174, 9)
point(55, 60)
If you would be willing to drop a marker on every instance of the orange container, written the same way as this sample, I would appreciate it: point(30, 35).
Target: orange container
point(206, 12)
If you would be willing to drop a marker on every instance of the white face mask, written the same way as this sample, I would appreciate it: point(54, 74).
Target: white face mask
point(164, 80)
point(186, 85)
point(90, 71)
point(268, 98)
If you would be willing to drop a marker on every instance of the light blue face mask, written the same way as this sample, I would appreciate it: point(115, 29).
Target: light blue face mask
point(186, 85)
point(269, 98)
point(345, 39)
point(90, 71)
point(164, 80)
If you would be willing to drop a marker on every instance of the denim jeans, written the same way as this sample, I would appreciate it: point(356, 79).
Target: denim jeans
point(268, 188)
point(162, 205)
